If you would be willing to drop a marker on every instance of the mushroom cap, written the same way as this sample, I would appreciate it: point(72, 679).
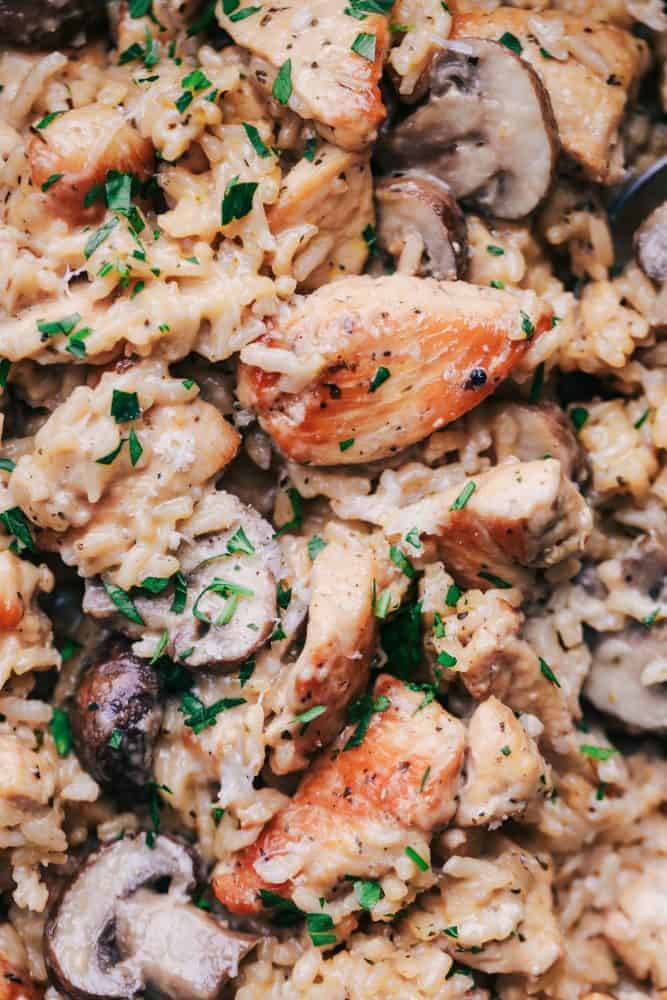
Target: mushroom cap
point(119, 694)
point(110, 936)
point(48, 23)
point(628, 677)
point(487, 129)
point(420, 223)
point(651, 244)
point(205, 558)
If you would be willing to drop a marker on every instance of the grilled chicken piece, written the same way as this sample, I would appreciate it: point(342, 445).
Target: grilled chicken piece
point(367, 366)
point(588, 79)
point(333, 666)
point(357, 809)
point(83, 146)
point(635, 927)
point(16, 984)
point(323, 208)
point(523, 514)
point(330, 82)
point(504, 768)
point(532, 432)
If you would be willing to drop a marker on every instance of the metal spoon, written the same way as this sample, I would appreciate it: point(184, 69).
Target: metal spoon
point(631, 204)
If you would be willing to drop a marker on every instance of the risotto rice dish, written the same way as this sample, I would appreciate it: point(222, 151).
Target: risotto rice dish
point(333, 500)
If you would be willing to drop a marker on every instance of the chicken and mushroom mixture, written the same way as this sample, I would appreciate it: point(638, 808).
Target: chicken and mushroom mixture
point(333, 501)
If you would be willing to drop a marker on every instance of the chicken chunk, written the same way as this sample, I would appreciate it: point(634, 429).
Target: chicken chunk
point(333, 666)
point(501, 907)
point(367, 366)
point(323, 208)
point(483, 636)
point(16, 984)
point(82, 146)
point(111, 502)
point(357, 809)
point(637, 928)
point(26, 637)
point(588, 69)
point(504, 768)
point(522, 514)
point(531, 432)
point(324, 77)
point(231, 564)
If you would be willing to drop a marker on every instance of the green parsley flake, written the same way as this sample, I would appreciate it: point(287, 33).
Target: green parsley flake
point(60, 730)
point(310, 149)
point(184, 101)
point(494, 250)
point(59, 326)
point(464, 496)
point(230, 591)
point(76, 342)
point(651, 619)
point(368, 893)
point(412, 538)
point(511, 42)
point(115, 739)
point(124, 406)
point(381, 376)
point(284, 595)
point(50, 181)
point(69, 648)
point(347, 443)
point(370, 238)
point(112, 455)
point(240, 15)
point(246, 670)
point(282, 85)
point(452, 596)
point(497, 283)
point(197, 80)
point(15, 523)
point(381, 604)
point(505, 751)
point(239, 542)
point(315, 546)
point(136, 449)
point(452, 932)
point(417, 859)
point(548, 672)
point(48, 118)
point(310, 714)
point(527, 324)
point(123, 602)
point(364, 46)
point(297, 518)
point(138, 8)
point(361, 712)
point(425, 777)
point(497, 581)
point(6, 465)
point(445, 659)
point(643, 418)
point(597, 753)
point(99, 236)
point(160, 647)
point(438, 626)
point(579, 415)
point(401, 561)
point(237, 200)
point(199, 716)
point(319, 925)
point(258, 145)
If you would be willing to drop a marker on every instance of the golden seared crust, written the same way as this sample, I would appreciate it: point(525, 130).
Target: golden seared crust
point(331, 83)
point(446, 346)
point(588, 88)
point(83, 146)
point(353, 799)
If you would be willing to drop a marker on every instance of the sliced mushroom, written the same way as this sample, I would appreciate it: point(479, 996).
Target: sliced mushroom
point(102, 939)
point(533, 432)
point(49, 23)
point(421, 225)
point(628, 677)
point(651, 244)
point(231, 564)
point(116, 716)
point(367, 366)
point(487, 130)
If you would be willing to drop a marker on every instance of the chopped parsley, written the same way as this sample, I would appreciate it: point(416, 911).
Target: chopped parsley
point(197, 80)
point(310, 714)
point(160, 647)
point(527, 324)
point(505, 751)
point(438, 626)
point(579, 415)
point(347, 443)
point(180, 594)
point(205, 20)
point(401, 639)
point(115, 739)
point(452, 932)
point(123, 602)
point(368, 893)
point(401, 561)
point(136, 449)
point(282, 85)
point(50, 181)
point(537, 384)
point(237, 200)
point(246, 670)
point(56, 327)
point(643, 418)
point(319, 925)
point(240, 15)
point(464, 496)
point(69, 648)
point(446, 659)
point(217, 812)
point(511, 42)
point(497, 283)
point(48, 118)
point(370, 238)
point(297, 517)
point(76, 342)
point(548, 672)
point(138, 8)
point(381, 604)
point(124, 406)
point(381, 376)
point(60, 730)
point(422, 864)
point(99, 236)
point(364, 46)
point(360, 8)
point(199, 716)
point(361, 712)
point(651, 619)
point(283, 595)
point(6, 465)
point(494, 250)
point(425, 777)
point(112, 455)
point(452, 596)
point(315, 546)
point(310, 149)
point(412, 538)
point(15, 523)
point(239, 542)
point(497, 581)
point(258, 145)
point(597, 753)
point(231, 592)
